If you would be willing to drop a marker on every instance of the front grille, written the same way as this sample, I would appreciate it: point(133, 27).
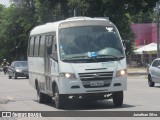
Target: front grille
point(87, 78)
point(25, 72)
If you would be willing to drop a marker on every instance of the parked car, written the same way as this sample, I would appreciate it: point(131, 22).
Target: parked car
point(18, 69)
point(154, 72)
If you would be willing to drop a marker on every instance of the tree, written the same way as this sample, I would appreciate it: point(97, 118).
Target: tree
point(17, 20)
point(14, 29)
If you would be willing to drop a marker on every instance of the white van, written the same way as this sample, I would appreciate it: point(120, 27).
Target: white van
point(78, 58)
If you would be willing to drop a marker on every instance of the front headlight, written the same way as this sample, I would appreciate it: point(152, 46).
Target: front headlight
point(121, 73)
point(67, 75)
point(18, 70)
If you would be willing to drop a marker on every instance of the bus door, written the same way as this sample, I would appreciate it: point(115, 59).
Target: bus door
point(47, 62)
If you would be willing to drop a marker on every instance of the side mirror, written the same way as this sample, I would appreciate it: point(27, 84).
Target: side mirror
point(124, 44)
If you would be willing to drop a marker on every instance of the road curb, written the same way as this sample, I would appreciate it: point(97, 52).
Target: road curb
point(134, 74)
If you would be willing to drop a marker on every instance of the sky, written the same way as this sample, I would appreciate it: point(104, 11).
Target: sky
point(5, 2)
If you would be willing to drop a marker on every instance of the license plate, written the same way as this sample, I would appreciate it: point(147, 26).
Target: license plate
point(96, 83)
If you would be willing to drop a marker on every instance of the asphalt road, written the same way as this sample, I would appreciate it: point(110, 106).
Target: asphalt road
point(18, 95)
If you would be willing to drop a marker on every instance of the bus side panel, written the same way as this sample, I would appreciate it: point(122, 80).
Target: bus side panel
point(36, 71)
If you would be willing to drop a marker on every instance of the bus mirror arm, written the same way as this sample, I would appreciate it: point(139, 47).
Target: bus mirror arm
point(124, 44)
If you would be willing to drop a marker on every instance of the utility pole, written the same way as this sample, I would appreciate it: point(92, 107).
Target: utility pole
point(74, 12)
point(158, 40)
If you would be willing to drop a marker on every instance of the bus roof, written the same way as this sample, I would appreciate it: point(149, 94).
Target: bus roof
point(52, 26)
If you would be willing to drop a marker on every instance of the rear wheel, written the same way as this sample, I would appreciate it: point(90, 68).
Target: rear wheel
point(41, 97)
point(150, 82)
point(117, 98)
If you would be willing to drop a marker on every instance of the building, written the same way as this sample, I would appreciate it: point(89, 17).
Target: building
point(145, 33)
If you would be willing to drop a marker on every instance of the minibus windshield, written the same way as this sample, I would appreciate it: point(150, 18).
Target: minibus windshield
point(85, 42)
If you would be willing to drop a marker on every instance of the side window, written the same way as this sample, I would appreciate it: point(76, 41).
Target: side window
point(158, 63)
point(39, 46)
point(36, 46)
point(54, 48)
point(49, 40)
point(31, 48)
point(12, 65)
point(155, 63)
point(42, 46)
point(49, 44)
point(29, 45)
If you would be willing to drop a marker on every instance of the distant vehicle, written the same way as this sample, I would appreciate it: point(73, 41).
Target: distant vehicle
point(154, 73)
point(5, 66)
point(18, 69)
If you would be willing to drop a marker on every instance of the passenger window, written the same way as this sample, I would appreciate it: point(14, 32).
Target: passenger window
point(39, 46)
point(36, 46)
point(31, 51)
point(28, 52)
point(155, 63)
point(49, 44)
point(54, 48)
point(158, 63)
point(41, 49)
point(54, 45)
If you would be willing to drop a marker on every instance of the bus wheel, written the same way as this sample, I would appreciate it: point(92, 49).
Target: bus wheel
point(117, 98)
point(59, 99)
point(41, 97)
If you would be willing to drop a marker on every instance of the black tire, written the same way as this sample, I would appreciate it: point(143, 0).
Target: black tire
point(58, 99)
point(117, 98)
point(48, 99)
point(41, 97)
point(15, 76)
point(9, 77)
point(150, 82)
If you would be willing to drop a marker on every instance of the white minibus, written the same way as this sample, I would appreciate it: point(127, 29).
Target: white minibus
point(80, 58)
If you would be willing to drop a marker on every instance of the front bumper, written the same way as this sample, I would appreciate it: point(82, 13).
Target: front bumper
point(22, 74)
point(76, 86)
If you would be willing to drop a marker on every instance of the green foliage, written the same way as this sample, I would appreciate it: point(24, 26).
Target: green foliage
point(15, 26)
point(148, 17)
point(17, 20)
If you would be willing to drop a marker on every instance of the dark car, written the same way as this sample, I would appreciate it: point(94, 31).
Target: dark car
point(18, 69)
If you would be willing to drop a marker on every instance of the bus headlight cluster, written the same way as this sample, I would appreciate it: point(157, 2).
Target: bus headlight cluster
point(67, 75)
point(121, 73)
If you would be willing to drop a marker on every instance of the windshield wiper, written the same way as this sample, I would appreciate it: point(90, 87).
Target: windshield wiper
point(110, 57)
point(80, 57)
point(75, 57)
